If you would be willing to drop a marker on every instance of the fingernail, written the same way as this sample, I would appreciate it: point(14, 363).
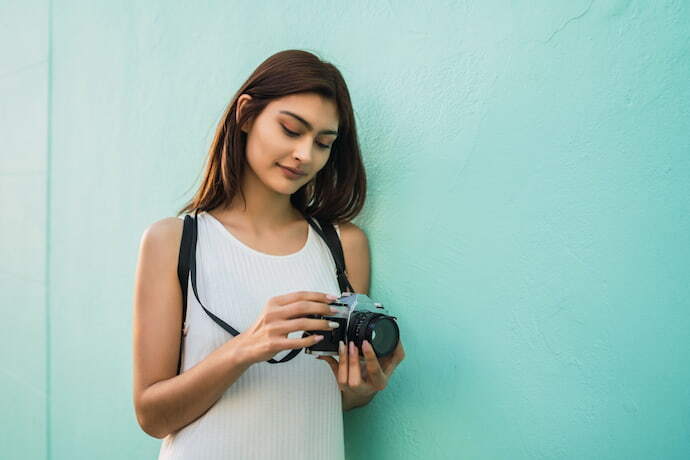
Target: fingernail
point(319, 338)
point(335, 309)
point(341, 346)
point(331, 296)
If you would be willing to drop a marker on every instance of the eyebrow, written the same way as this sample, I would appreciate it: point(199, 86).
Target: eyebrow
point(307, 124)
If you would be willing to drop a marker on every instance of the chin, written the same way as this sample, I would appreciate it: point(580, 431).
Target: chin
point(285, 189)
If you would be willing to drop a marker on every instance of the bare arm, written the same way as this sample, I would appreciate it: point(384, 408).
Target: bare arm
point(165, 402)
point(358, 262)
point(360, 381)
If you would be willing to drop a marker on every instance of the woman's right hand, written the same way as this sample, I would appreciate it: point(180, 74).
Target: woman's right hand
point(282, 315)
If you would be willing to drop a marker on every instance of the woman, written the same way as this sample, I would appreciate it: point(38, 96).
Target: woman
point(285, 148)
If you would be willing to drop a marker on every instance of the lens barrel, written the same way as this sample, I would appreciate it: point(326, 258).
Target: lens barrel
point(380, 330)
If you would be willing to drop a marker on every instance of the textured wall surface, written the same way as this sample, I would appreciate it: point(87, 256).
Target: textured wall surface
point(528, 212)
point(24, 32)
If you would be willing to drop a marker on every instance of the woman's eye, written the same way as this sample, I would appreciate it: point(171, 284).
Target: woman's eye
point(294, 134)
point(290, 133)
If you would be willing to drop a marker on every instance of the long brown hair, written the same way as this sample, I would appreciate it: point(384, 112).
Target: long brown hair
point(338, 191)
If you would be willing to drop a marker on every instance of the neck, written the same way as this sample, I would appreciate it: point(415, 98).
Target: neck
point(262, 210)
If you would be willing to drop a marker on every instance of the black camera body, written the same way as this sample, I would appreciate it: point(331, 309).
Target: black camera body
point(360, 319)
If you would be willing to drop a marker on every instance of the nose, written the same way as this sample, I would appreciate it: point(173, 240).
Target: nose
point(303, 150)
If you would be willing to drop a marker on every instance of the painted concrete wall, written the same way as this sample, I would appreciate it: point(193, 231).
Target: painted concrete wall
point(24, 178)
point(528, 212)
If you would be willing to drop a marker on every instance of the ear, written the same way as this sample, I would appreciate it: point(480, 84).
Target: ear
point(241, 101)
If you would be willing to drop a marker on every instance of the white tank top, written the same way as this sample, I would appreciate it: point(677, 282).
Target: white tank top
point(281, 411)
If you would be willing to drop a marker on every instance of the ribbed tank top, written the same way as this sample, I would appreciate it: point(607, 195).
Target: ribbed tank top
point(281, 411)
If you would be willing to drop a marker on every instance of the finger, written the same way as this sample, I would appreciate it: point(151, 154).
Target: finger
point(293, 297)
point(395, 359)
point(342, 364)
point(302, 324)
point(303, 308)
point(354, 375)
point(376, 376)
point(293, 344)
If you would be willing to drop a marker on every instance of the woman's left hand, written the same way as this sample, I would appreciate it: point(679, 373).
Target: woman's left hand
point(360, 381)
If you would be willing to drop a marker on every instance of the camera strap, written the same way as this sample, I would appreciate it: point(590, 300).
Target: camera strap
point(187, 267)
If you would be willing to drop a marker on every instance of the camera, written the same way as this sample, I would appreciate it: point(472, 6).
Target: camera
point(360, 319)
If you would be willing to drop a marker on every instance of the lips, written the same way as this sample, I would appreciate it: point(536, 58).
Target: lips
point(294, 171)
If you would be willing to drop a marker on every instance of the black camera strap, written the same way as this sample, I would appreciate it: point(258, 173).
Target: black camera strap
point(330, 236)
point(186, 267)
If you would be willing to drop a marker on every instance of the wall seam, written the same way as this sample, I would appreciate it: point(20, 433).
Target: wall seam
point(49, 143)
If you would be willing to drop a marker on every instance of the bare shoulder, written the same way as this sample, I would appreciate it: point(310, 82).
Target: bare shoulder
point(357, 257)
point(163, 237)
point(159, 249)
point(164, 229)
point(351, 234)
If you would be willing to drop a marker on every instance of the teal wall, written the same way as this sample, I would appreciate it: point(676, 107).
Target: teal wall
point(528, 212)
point(24, 230)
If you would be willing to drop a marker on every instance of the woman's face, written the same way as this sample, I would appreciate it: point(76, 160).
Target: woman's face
point(295, 131)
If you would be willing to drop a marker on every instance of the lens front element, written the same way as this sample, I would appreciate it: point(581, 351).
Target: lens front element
point(383, 335)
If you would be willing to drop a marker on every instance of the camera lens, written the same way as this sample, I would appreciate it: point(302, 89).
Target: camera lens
point(381, 331)
point(384, 335)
